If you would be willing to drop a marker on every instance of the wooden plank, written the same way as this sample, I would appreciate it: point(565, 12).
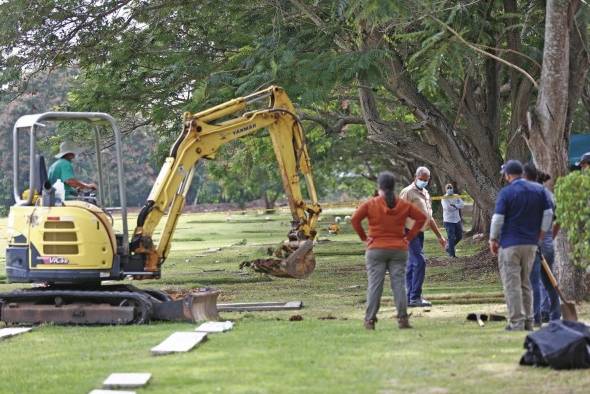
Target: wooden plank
point(126, 380)
point(260, 306)
point(179, 342)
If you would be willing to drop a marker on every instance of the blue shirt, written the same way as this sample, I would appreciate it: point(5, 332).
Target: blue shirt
point(522, 203)
point(548, 241)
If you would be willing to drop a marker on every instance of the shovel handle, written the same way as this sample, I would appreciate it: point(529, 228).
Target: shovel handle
point(552, 278)
point(548, 271)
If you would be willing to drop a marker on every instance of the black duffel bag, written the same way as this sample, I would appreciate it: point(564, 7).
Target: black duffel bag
point(561, 344)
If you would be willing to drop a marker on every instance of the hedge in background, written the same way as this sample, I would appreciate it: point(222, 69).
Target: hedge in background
point(572, 193)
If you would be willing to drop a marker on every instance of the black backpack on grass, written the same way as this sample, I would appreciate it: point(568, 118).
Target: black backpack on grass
point(561, 344)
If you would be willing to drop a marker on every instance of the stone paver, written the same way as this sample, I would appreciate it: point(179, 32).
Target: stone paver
point(12, 331)
point(215, 326)
point(126, 380)
point(179, 342)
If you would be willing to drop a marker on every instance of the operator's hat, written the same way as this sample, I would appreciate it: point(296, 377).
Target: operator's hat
point(512, 167)
point(67, 147)
point(584, 159)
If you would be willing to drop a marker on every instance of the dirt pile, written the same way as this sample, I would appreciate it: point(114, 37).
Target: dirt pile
point(478, 264)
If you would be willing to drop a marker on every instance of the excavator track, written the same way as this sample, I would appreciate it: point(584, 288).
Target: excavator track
point(76, 307)
point(112, 304)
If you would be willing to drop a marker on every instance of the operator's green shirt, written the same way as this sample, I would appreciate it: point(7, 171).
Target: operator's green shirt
point(64, 170)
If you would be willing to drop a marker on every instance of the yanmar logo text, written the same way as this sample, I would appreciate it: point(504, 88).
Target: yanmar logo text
point(54, 260)
point(244, 129)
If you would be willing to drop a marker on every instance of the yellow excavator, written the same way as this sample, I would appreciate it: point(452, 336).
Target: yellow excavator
point(69, 247)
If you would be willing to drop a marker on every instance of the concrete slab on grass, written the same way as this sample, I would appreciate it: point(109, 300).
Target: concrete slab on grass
point(179, 342)
point(12, 331)
point(126, 380)
point(111, 392)
point(260, 306)
point(215, 326)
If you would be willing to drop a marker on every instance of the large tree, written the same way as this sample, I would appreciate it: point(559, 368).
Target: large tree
point(565, 64)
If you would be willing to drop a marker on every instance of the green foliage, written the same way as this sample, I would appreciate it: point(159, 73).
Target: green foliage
point(572, 193)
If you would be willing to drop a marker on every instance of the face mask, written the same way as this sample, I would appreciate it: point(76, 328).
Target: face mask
point(449, 192)
point(421, 184)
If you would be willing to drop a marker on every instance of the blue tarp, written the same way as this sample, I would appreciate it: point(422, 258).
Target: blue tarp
point(579, 144)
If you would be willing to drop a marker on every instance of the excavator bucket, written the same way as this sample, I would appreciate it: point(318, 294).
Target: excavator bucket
point(298, 261)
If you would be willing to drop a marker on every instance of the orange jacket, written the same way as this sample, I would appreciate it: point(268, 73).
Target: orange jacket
point(386, 225)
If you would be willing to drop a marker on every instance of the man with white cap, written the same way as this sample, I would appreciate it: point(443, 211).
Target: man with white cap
point(63, 170)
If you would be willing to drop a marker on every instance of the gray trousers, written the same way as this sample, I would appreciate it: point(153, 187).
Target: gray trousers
point(378, 261)
point(515, 263)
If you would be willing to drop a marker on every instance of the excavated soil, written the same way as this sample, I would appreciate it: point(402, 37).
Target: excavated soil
point(480, 263)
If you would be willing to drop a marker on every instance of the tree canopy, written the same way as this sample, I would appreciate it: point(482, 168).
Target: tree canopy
point(442, 83)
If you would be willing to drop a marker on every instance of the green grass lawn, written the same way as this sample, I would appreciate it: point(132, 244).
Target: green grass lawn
point(327, 352)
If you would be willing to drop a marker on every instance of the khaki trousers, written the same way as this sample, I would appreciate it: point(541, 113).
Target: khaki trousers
point(515, 263)
point(378, 261)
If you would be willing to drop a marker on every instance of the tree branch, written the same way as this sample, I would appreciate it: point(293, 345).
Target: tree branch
point(481, 51)
point(336, 127)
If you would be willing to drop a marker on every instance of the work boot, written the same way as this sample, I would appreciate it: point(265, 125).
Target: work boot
point(370, 324)
point(528, 325)
point(403, 322)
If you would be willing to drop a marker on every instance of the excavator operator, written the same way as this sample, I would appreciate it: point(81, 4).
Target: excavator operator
point(63, 170)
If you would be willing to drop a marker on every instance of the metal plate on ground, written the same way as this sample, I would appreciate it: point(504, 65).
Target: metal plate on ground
point(179, 342)
point(126, 380)
point(260, 306)
point(215, 326)
point(12, 331)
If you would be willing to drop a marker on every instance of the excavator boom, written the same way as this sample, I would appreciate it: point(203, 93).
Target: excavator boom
point(202, 135)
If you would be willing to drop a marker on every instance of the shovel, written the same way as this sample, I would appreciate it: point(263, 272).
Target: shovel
point(568, 309)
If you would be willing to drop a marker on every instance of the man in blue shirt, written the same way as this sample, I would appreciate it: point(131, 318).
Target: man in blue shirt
point(522, 216)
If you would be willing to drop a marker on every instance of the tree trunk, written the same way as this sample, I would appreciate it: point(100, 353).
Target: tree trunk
point(480, 221)
point(520, 89)
point(471, 156)
point(548, 123)
point(568, 274)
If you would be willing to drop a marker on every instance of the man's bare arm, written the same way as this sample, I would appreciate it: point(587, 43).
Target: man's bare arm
point(76, 184)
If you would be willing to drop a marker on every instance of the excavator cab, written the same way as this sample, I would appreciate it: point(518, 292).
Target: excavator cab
point(71, 241)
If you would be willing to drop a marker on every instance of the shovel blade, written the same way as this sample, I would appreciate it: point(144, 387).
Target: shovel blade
point(568, 311)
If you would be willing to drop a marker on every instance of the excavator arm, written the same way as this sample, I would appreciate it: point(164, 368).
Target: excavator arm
point(202, 135)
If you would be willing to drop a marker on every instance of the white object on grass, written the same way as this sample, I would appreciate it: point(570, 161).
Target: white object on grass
point(179, 342)
point(111, 392)
point(215, 326)
point(126, 380)
point(12, 331)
